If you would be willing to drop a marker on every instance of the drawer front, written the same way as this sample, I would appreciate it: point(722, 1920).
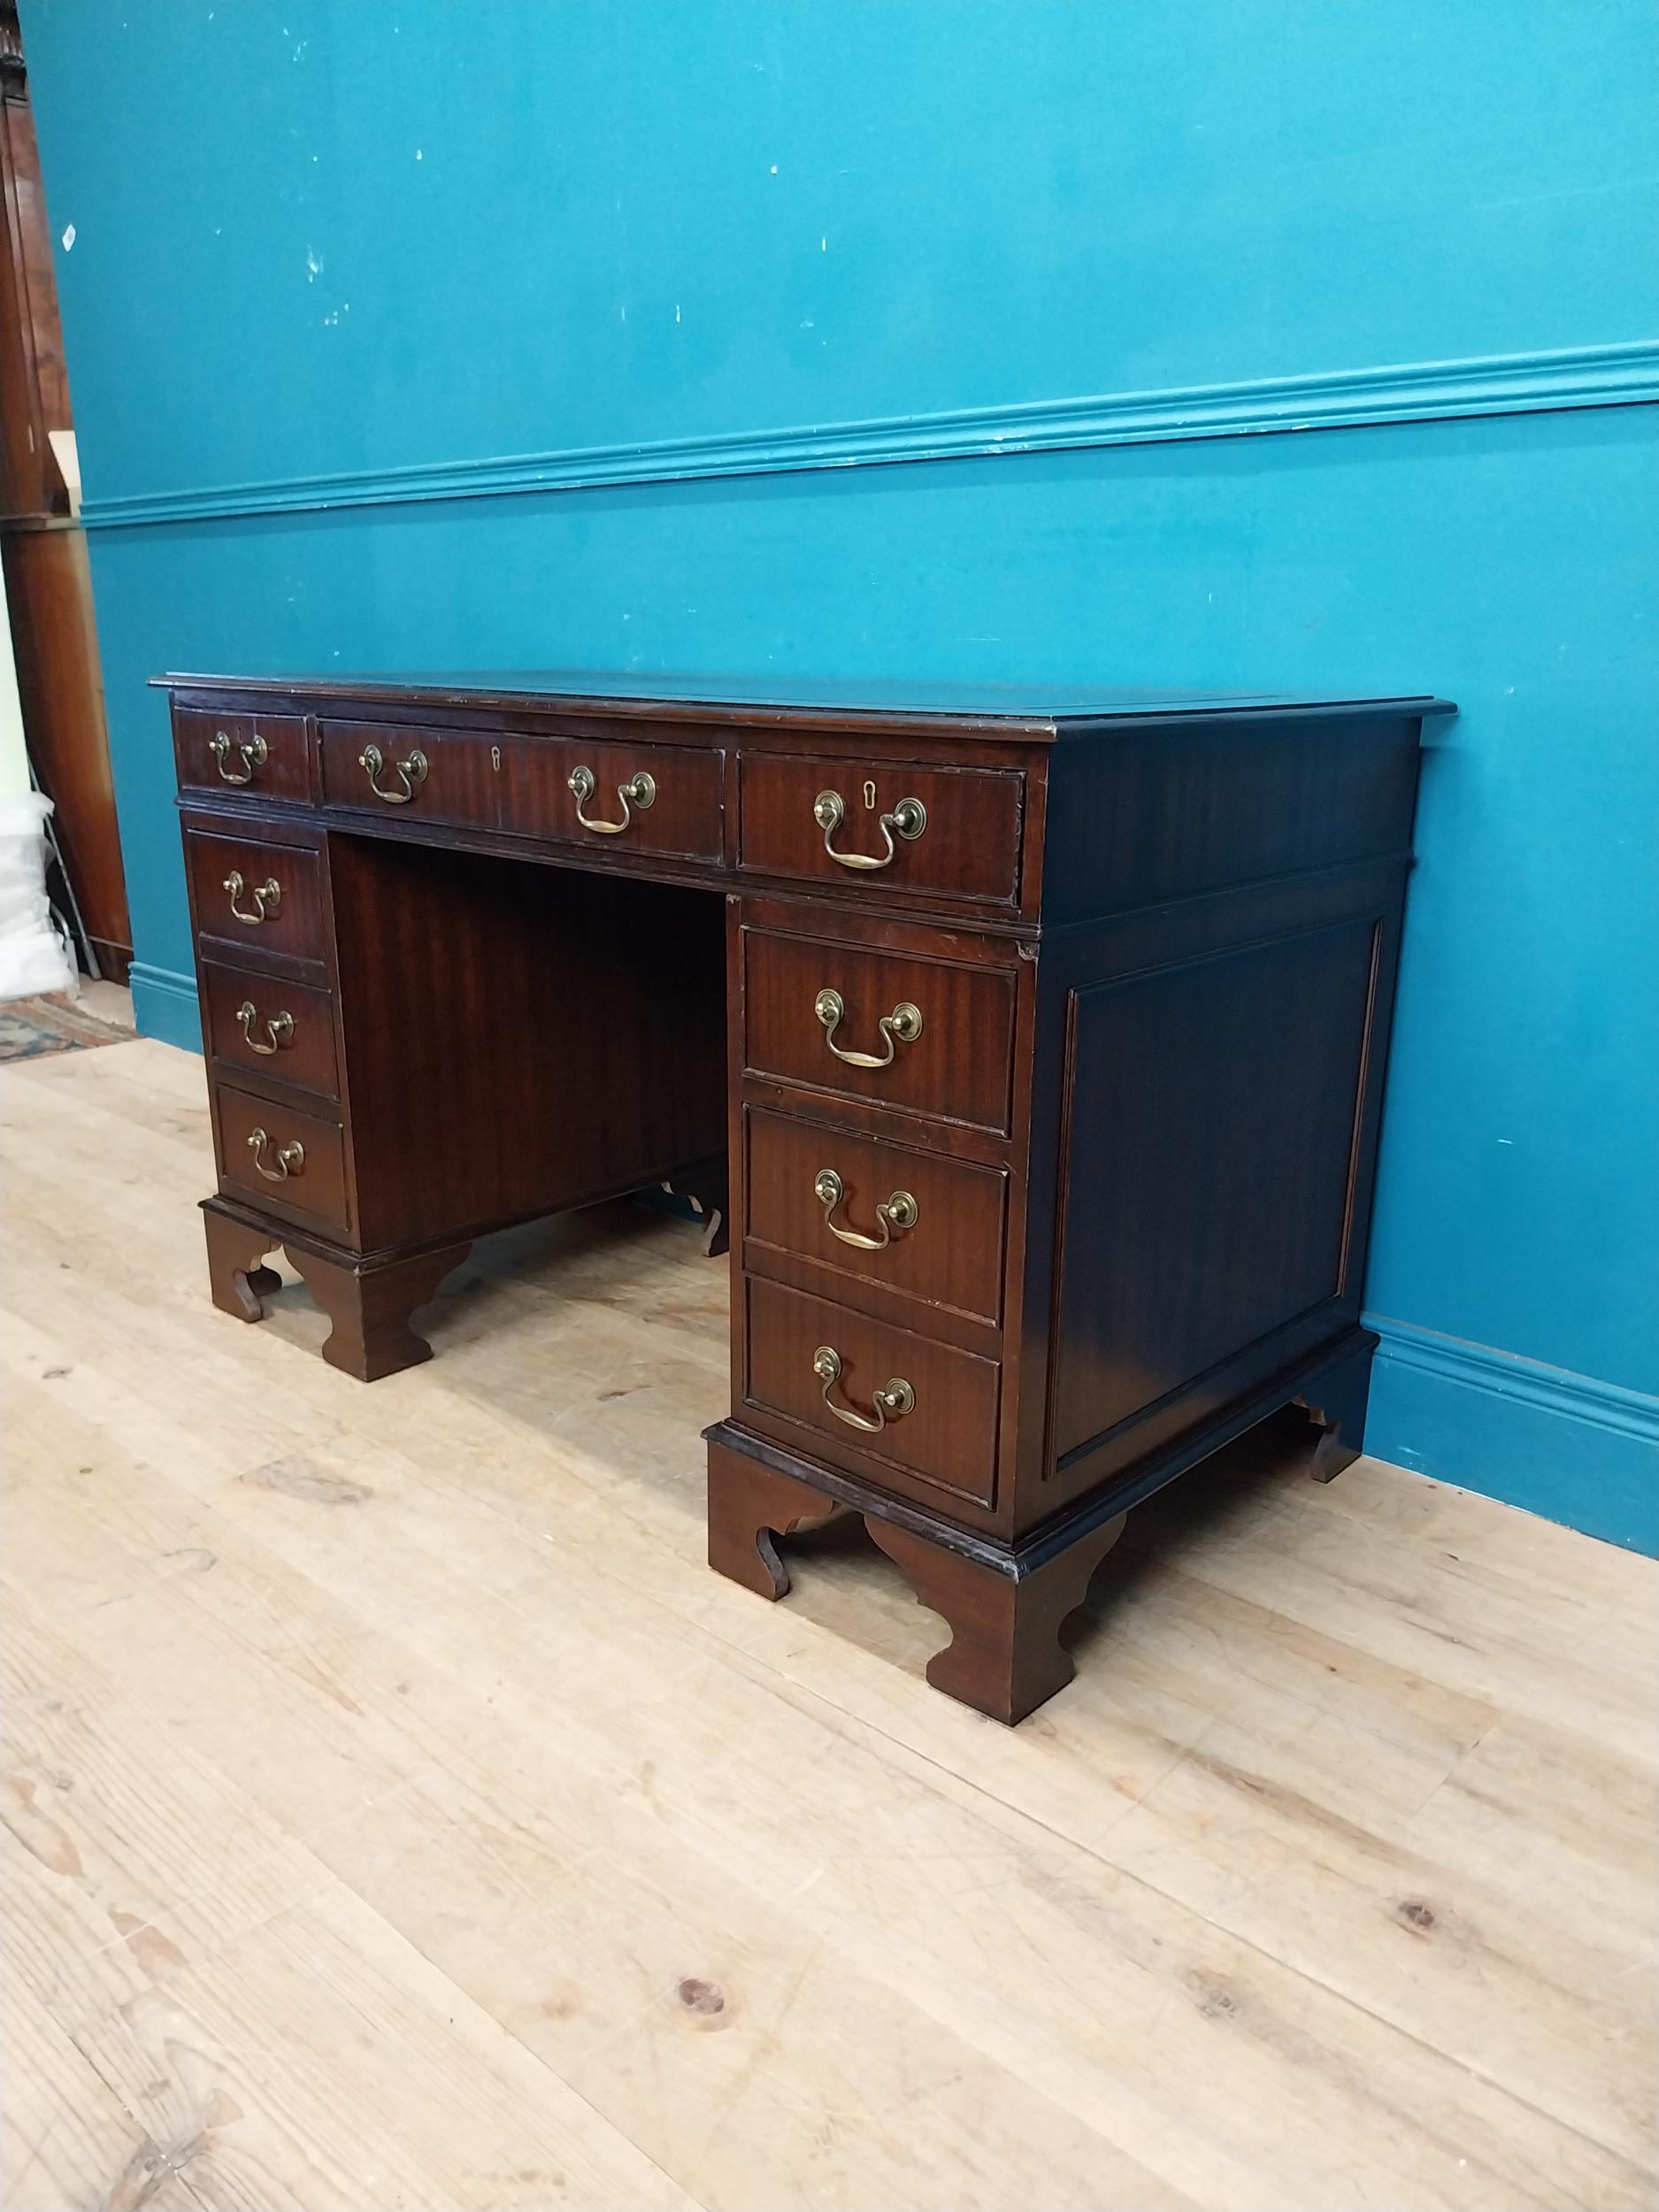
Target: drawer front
point(420, 775)
point(264, 755)
point(883, 824)
point(813, 1362)
point(677, 809)
point(943, 1034)
point(936, 1224)
point(264, 1027)
point(280, 1159)
point(250, 891)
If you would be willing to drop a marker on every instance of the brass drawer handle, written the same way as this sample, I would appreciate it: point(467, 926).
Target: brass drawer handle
point(267, 897)
point(279, 1029)
point(254, 751)
point(895, 1214)
point(908, 818)
point(290, 1157)
point(641, 790)
point(897, 1398)
point(902, 1026)
point(411, 770)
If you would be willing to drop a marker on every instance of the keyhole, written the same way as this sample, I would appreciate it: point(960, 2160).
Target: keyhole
point(494, 758)
point(869, 795)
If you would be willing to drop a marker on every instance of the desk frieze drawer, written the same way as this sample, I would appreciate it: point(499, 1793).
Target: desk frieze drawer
point(906, 1413)
point(930, 1037)
point(416, 774)
point(925, 1226)
point(262, 755)
point(281, 1159)
point(267, 1028)
point(617, 798)
point(252, 892)
point(888, 826)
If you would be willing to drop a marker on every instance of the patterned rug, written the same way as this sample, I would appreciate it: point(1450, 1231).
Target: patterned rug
point(32, 1027)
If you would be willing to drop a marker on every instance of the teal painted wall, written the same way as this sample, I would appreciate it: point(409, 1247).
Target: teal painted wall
point(337, 269)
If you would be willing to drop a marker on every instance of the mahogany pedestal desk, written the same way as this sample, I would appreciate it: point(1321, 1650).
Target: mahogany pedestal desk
point(1044, 1034)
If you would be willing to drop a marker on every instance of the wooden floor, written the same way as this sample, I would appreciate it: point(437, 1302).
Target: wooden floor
point(399, 1814)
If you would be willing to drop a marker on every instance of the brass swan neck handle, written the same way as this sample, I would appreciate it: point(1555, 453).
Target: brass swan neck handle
point(889, 1403)
point(254, 751)
point(411, 771)
point(266, 896)
point(908, 818)
point(902, 1026)
point(279, 1029)
point(897, 1214)
point(638, 791)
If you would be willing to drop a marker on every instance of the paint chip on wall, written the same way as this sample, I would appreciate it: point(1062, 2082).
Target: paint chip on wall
point(69, 237)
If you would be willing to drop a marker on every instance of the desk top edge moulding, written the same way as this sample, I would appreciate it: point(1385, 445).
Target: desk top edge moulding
point(1027, 1042)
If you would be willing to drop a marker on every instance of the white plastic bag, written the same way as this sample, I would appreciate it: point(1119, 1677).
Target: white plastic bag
point(32, 954)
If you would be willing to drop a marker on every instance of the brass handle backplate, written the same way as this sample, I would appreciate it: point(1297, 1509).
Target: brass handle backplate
point(411, 770)
point(290, 1157)
point(267, 897)
point(908, 818)
point(894, 1398)
point(897, 1214)
point(638, 791)
point(279, 1029)
point(902, 1026)
point(254, 751)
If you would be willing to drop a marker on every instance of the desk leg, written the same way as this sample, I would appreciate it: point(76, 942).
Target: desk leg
point(1335, 1404)
point(369, 1305)
point(749, 1508)
point(1004, 1656)
point(239, 1284)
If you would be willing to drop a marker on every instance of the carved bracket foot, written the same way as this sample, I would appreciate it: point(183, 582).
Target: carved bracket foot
point(1335, 1404)
point(708, 1187)
point(370, 1307)
point(1005, 1657)
point(749, 1508)
point(237, 1281)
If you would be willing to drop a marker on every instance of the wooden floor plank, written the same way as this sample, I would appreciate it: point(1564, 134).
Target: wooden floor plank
point(393, 1752)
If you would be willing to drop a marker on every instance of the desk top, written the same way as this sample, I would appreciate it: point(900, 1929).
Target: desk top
point(1032, 710)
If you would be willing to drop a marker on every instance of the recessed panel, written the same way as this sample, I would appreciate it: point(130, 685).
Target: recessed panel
point(1208, 1166)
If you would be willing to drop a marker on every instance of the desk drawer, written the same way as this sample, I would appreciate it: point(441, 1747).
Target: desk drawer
point(266, 1028)
point(281, 1160)
point(264, 755)
point(431, 775)
point(940, 1034)
point(811, 1188)
point(942, 1427)
point(677, 811)
point(883, 824)
point(248, 890)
